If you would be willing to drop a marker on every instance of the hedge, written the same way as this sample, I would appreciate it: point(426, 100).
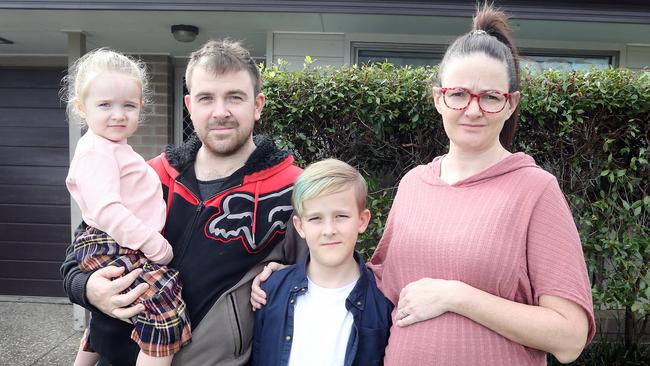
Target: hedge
point(590, 129)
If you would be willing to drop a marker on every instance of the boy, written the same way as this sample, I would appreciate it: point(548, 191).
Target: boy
point(326, 310)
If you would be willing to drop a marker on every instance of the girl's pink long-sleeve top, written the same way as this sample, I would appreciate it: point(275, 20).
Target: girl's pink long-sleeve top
point(120, 194)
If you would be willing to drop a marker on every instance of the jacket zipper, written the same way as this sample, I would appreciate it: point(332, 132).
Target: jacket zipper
point(197, 212)
point(238, 351)
point(190, 230)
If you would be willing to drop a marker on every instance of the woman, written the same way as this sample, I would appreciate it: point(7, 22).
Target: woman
point(480, 253)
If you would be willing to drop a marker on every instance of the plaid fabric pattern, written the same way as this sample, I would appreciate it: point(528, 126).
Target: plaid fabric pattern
point(164, 326)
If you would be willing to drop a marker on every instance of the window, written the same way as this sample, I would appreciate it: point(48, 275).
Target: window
point(183, 128)
point(398, 58)
point(187, 129)
point(397, 54)
point(531, 59)
point(566, 61)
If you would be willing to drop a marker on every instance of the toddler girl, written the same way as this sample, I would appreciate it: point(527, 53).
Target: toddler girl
point(120, 197)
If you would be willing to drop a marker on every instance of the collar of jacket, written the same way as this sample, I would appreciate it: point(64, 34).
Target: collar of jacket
point(265, 160)
point(357, 295)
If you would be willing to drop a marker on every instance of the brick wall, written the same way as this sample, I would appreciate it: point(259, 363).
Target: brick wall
point(156, 131)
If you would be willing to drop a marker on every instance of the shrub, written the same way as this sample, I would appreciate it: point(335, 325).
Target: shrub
point(609, 354)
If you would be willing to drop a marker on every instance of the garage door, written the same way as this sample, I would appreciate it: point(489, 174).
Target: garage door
point(34, 204)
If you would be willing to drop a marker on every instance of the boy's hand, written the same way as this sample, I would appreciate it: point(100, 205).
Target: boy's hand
point(258, 296)
point(103, 291)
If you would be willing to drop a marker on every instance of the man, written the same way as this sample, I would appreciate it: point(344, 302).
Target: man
point(229, 201)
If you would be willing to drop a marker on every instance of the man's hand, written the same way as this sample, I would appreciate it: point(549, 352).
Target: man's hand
point(103, 291)
point(258, 296)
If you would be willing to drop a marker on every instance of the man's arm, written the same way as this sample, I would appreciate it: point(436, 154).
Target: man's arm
point(295, 248)
point(74, 280)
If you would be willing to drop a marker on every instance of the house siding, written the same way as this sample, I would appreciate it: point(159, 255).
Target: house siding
point(623, 11)
point(323, 48)
point(638, 57)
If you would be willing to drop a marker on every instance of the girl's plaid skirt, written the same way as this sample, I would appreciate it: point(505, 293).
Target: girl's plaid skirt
point(164, 326)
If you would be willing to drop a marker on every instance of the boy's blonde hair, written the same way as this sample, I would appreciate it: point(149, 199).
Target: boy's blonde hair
point(87, 67)
point(222, 57)
point(327, 177)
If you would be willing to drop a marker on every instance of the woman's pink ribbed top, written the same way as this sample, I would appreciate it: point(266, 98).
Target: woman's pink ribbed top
point(507, 230)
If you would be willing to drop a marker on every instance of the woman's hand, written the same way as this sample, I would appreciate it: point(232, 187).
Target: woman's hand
point(556, 325)
point(425, 299)
point(258, 296)
point(104, 291)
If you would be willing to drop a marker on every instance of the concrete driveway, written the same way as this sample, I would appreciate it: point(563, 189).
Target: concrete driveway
point(37, 331)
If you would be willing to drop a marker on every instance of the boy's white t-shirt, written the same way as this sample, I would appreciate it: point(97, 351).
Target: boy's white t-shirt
point(321, 326)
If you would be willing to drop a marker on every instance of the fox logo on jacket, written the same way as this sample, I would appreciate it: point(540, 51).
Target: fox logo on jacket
point(243, 224)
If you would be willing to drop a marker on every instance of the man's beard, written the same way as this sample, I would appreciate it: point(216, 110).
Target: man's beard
point(229, 145)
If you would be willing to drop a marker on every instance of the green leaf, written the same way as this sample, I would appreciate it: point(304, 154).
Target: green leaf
point(626, 205)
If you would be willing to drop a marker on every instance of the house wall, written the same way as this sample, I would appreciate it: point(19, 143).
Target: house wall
point(336, 49)
point(323, 48)
point(638, 57)
point(157, 129)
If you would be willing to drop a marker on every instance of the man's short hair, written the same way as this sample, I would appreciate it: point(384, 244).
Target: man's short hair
point(327, 177)
point(222, 57)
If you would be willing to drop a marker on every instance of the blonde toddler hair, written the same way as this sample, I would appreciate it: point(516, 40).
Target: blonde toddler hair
point(87, 67)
